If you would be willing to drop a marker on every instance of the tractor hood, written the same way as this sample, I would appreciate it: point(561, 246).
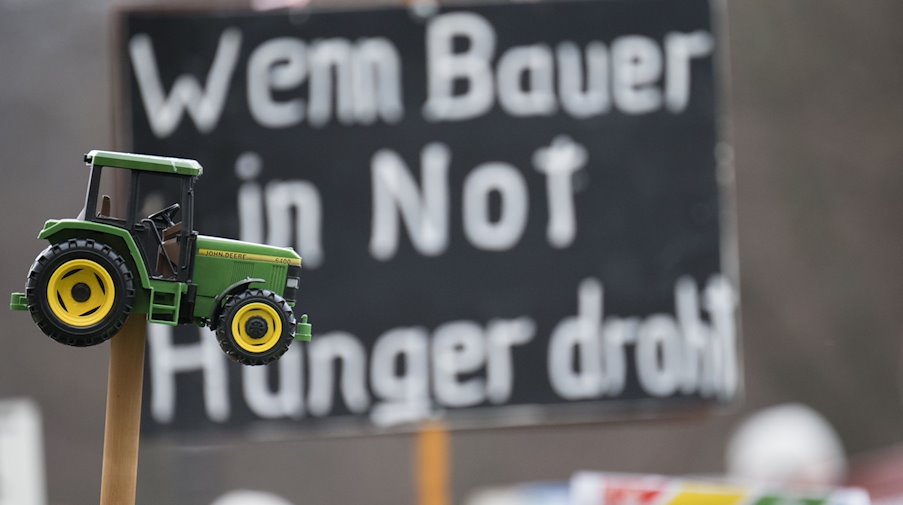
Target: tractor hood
point(247, 251)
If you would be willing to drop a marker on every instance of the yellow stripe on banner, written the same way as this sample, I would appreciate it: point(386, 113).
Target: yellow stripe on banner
point(708, 495)
point(232, 255)
point(431, 465)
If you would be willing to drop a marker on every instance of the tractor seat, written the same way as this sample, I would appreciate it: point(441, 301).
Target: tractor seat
point(168, 268)
point(104, 206)
point(172, 232)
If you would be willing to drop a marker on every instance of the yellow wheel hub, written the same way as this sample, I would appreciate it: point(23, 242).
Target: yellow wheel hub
point(256, 327)
point(81, 293)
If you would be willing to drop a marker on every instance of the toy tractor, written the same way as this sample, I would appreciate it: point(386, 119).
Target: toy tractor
point(111, 262)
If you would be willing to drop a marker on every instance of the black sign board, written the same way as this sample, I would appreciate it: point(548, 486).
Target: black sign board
point(505, 211)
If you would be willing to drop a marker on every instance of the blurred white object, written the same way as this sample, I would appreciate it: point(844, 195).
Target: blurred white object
point(789, 444)
point(247, 497)
point(267, 5)
point(21, 454)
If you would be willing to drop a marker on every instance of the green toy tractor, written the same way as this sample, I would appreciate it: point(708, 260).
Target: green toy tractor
point(111, 262)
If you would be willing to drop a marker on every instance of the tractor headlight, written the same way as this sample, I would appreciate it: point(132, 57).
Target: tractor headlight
point(292, 283)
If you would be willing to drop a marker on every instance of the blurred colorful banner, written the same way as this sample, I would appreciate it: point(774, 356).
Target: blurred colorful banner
point(625, 489)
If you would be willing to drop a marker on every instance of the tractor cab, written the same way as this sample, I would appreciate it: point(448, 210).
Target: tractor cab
point(158, 210)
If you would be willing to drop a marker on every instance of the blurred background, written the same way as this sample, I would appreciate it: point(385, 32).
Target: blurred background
point(814, 105)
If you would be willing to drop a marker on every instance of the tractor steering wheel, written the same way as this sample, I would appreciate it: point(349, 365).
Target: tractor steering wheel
point(165, 216)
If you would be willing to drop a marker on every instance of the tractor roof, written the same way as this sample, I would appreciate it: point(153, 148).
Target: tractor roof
point(178, 166)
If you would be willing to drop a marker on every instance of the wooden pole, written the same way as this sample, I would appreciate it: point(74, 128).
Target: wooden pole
point(432, 465)
point(120, 439)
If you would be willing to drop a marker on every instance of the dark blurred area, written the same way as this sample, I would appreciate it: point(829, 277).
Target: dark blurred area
point(815, 113)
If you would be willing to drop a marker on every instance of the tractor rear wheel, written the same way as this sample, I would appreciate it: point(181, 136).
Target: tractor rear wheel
point(80, 292)
point(255, 327)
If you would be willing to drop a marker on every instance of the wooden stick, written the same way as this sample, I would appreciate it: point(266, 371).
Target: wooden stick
point(432, 465)
point(120, 439)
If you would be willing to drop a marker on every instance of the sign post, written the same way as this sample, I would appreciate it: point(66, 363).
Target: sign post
point(123, 418)
point(432, 465)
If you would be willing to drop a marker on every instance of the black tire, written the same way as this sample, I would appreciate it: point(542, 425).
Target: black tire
point(246, 347)
point(80, 330)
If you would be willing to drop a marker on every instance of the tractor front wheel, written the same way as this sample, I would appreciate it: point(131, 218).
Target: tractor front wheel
point(255, 327)
point(80, 292)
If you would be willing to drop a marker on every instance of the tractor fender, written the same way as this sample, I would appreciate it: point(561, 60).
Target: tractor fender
point(233, 289)
point(59, 230)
